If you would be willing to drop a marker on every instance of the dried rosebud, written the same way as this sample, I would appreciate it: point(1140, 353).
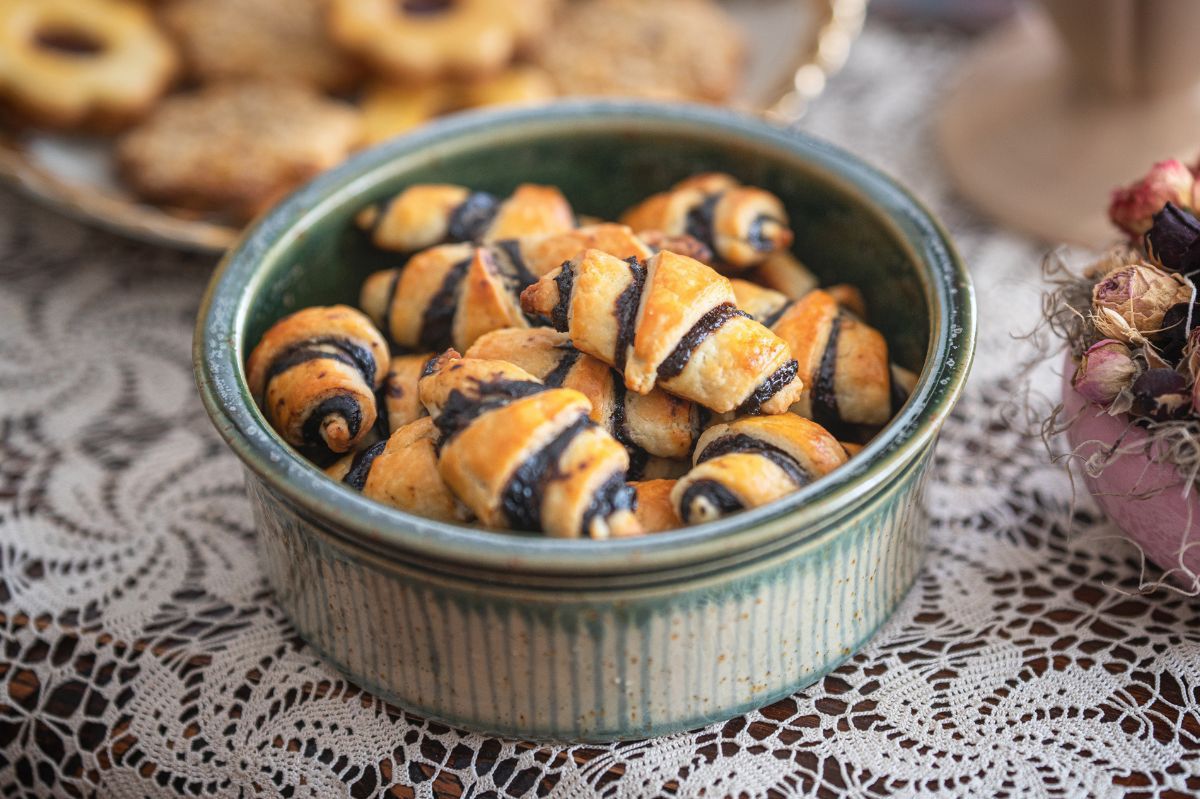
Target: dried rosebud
point(1190, 365)
point(1106, 369)
point(1173, 240)
point(1190, 362)
point(1177, 324)
point(1133, 207)
point(1129, 303)
point(1161, 395)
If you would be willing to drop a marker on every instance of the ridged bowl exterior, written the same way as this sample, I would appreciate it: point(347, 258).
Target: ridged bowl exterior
point(596, 640)
point(584, 664)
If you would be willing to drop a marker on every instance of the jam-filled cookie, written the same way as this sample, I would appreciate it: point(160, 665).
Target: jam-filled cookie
point(666, 49)
point(427, 214)
point(81, 64)
point(426, 39)
point(655, 511)
point(451, 294)
point(278, 39)
point(753, 461)
point(669, 322)
point(402, 472)
point(653, 425)
point(391, 109)
point(524, 455)
point(314, 374)
point(236, 147)
point(743, 226)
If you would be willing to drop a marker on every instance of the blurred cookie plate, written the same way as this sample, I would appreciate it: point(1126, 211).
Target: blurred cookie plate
point(76, 174)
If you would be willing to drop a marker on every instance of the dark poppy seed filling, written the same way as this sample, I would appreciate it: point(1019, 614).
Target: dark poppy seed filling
point(626, 309)
point(699, 223)
point(429, 366)
point(565, 280)
point(516, 275)
point(343, 350)
point(718, 495)
point(770, 319)
point(314, 447)
point(614, 495)
point(555, 377)
point(425, 7)
point(754, 235)
point(824, 396)
point(294, 356)
point(470, 221)
point(674, 363)
point(385, 324)
point(460, 410)
point(740, 442)
point(521, 500)
point(619, 423)
point(69, 41)
point(513, 265)
point(381, 416)
point(360, 467)
point(769, 388)
point(437, 323)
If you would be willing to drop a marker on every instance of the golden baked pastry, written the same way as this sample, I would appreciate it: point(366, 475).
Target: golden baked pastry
point(665, 50)
point(534, 256)
point(849, 297)
point(655, 511)
point(428, 214)
point(445, 296)
point(784, 273)
point(402, 472)
point(613, 385)
point(272, 39)
point(92, 65)
point(670, 322)
point(655, 424)
point(236, 147)
point(742, 225)
point(421, 40)
point(526, 456)
point(753, 461)
point(449, 295)
point(843, 362)
point(314, 374)
point(401, 401)
point(390, 109)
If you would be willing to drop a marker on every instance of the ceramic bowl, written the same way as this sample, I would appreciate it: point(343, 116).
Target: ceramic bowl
point(1145, 499)
point(577, 639)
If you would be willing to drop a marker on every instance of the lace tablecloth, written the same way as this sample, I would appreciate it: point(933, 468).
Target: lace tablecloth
point(143, 655)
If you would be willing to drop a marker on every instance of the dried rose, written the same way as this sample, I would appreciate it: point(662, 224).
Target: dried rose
point(1161, 395)
point(1190, 366)
point(1106, 369)
point(1173, 240)
point(1177, 324)
point(1133, 207)
point(1129, 303)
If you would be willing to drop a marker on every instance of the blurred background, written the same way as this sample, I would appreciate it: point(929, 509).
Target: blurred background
point(180, 120)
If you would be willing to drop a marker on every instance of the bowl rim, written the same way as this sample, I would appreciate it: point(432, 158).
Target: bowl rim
point(388, 531)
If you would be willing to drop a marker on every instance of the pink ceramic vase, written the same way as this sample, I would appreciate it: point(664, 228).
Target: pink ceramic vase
point(1161, 522)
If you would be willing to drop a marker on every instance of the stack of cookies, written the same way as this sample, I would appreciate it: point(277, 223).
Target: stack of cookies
point(220, 107)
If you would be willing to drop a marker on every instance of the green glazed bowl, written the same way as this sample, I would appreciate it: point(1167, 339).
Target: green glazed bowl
point(577, 639)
